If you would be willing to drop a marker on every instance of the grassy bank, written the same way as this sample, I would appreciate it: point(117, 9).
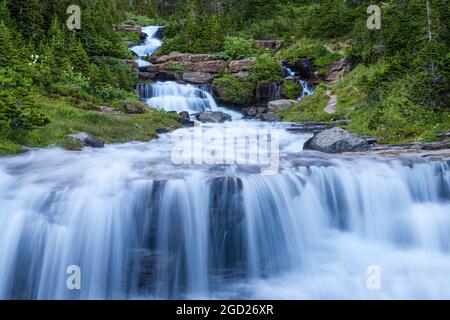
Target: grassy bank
point(390, 114)
point(65, 118)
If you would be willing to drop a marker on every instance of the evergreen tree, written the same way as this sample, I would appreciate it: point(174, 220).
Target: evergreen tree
point(8, 52)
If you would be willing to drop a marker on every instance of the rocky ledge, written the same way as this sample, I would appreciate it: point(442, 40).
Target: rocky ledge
point(193, 68)
point(338, 140)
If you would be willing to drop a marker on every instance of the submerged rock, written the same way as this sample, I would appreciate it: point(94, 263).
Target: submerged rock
point(336, 140)
point(213, 116)
point(269, 117)
point(86, 140)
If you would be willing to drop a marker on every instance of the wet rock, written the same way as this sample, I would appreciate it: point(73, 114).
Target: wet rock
point(198, 77)
point(336, 140)
point(86, 140)
point(254, 111)
point(227, 208)
point(213, 116)
point(145, 76)
point(146, 267)
point(443, 136)
point(304, 69)
point(280, 105)
point(371, 140)
point(162, 130)
point(270, 117)
point(431, 146)
point(304, 127)
point(185, 119)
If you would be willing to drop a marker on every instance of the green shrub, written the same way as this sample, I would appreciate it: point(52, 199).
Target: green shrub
point(266, 69)
point(292, 89)
point(237, 48)
point(235, 91)
point(310, 108)
point(308, 49)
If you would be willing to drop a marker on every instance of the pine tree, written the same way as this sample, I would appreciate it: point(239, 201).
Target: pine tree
point(28, 17)
point(78, 56)
point(8, 52)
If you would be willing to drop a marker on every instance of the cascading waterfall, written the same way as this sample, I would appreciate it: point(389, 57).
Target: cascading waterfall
point(150, 45)
point(139, 226)
point(172, 96)
point(136, 231)
point(306, 90)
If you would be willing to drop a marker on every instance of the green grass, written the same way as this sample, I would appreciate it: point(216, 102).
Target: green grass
point(377, 106)
point(309, 109)
point(7, 147)
point(310, 49)
point(66, 119)
point(388, 112)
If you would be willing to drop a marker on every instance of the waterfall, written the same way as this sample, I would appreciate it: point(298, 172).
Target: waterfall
point(140, 226)
point(150, 45)
point(306, 90)
point(138, 229)
point(172, 96)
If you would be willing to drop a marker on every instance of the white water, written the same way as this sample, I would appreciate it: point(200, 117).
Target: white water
point(141, 227)
point(306, 90)
point(149, 47)
point(171, 96)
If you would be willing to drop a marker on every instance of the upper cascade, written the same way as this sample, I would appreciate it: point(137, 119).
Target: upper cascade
point(150, 45)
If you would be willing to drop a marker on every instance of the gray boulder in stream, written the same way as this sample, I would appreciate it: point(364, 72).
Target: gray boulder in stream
point(86, 140)
point(336, 140)
point(213, 116)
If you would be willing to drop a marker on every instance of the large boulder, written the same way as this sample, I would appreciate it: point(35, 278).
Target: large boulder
point(185, 119)
point(254, 111)
point(213, 116)
point(86, 140)
point(198, 77)
point(336, 140)
point(133, 108)
point(280, 105)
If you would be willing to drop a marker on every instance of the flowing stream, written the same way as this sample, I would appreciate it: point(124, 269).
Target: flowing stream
point(146, 221)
